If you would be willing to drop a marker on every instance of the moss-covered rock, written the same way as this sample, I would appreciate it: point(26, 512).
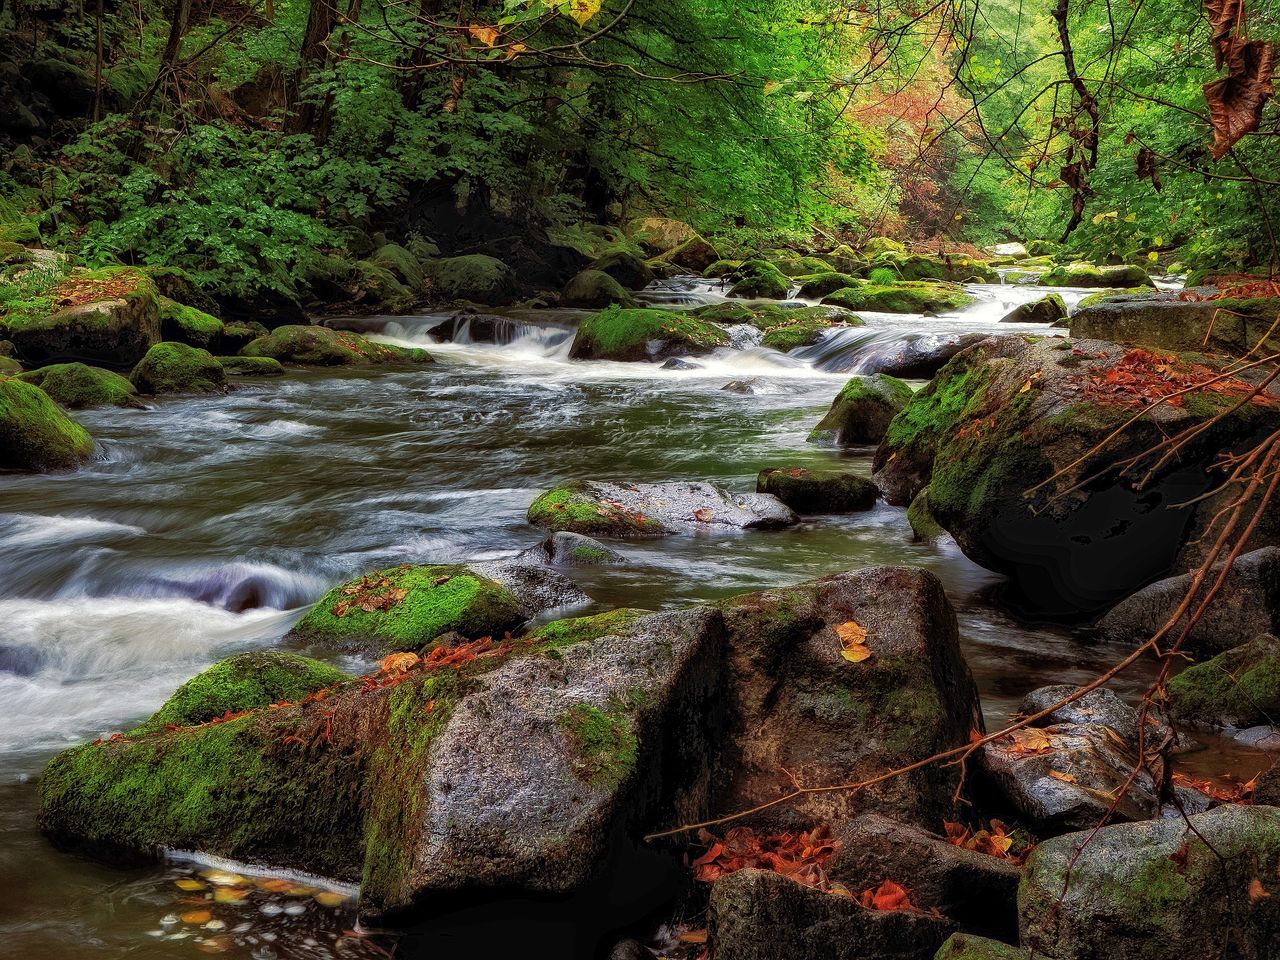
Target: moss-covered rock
point(376, 284)
point(9, 366)
point(246, 681)
point(644, 334)
point(790, 329)
point(108, 317)
point(321, 346)
point(923, 526)
point(692, 256)
point(657, 235)
point(805, 266)
point(238, 335)
point(76, 386)
point(955, 269)
point(1089, 275)
point(178, 368)
point(474, 277)
point(862, 411)
point(877, 246)
point(576, 508)
point(818, 285)
point(728, 312)
point(35, 434)
point(251, 366)
point(404, 608)
point(843, 259)
point(1048, 309)
point(760, 279)
point(818, 491)
point(722, 268)
point(402, 263)
point(188, 325)
point(914, 297)
point(176, 284)
point(1237, 688)
point(595, 288)
point(1166, 321)
point(966, 946)
point(626, 268)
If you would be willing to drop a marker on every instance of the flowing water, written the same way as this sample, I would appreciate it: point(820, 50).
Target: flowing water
point(209, 524)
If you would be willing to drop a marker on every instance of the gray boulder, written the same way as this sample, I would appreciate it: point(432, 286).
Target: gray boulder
point(564, 549)
point(538, 588)
point(818, 491)
point(1165, 320)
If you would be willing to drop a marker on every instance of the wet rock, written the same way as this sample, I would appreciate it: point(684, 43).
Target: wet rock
point(919, 358)
point(34, 432)
point(745, 387)
point(1097, 706)
point(587, 735)
point(602, 508)
point(1087, 275)
point(1238, 688)
point(538, 588)
point(914, 297)
point(78, 387)
point(113, 319)
point(1163, 320)
point(965, 946)
point(677, 363)
point(862, 411)
point(762, 915)
point(594, 288)
point(626, 268)
point(817, 491)
point(801, 266)
point(620, 334)
point(178, 368)
point(1154, 890)
point(1012, 250)
point(564, 549)
point(759, 279)
point(475, 277)
point(1248, 604)
point(1006, 415)
point(692, 256)
point(188, 325)
point(792, 329)
point(798, 705)
point(237, 336)
point(976, 891)
point(1048, 309)
point(923, 526)
point(321, 346)
point(1266, 791)
point(406, 268)
point(251, 366)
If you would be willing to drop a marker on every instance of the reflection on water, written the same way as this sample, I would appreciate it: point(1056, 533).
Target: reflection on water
point(208, 524)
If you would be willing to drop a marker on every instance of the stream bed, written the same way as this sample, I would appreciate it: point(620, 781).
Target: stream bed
point(210, 524)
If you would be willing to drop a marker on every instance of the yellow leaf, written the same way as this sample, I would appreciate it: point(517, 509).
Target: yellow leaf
point(229, 894)
point(330, 898)
point(851, 632)
point(486, 35)
point(856, 653)
point(1153, 256)
point(770, 87)
point(583, 10)
point(196, 916)
point(189, 885)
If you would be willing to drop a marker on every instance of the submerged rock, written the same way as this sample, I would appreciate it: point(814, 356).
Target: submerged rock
point(112, 320)
point(35, 434)
point(763, 915)
point(813, 491)
point(178, 368)
point(564, 549)
point(1248, 604)
point(77, 387)
point(404, 608)
point(862, 411)
point(1012, 412)
point(1048, 309)
point(1154, 890)
point(1238, 688)
point(321, 346)
point(644, 334)
point(602, 508)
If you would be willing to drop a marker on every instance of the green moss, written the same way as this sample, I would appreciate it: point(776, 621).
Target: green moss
point(320, 346)
point(77, 386)
point(402, 263)
point(875, 246)
point(595, 288)
point(188, 325)
point(861, 410)
point(603, 742)
point(1240, 687)
point(246, 681)
point(129, 284)
point(796, 267)
point(722, 268)
point(923, 525)
point(727, 312)
point(431, 600)
point(1088, 275)
point(177, 368)
point(921, 297)
point(954, 269)
point(818, 285)
point(251, 366)
point(965, 946)
point(572, 508)
point(882, 276)
point(760, 279)
point(35, 434)
point(1105, 296)
point(473, 277)
point(566, 633)
point(938, 408)
point(624, 334)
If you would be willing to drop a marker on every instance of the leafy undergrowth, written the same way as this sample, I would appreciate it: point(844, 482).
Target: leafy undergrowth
point(1143, 376)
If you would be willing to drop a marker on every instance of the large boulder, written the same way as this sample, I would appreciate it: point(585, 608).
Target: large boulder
point(692, 256)
point(644, 334)
point(320, 346)
point(626, 268)
point(77, 387)
point(603, 508)
point(1201, 887)
point(760, 279)
point(657, 235)
point(1088, 275)
point(1048, 309)
point(188, 325)
point(1013, 412)
point(108, 318)
point(818, 285)
point(515, 771)
point(806, 703)
point(818, 491)
point(1169, 321)
point(862, 411)
point(34, 432)
point(1247, 604)
point(1238, 688)
point(913, 297)
point(952, 268)
point(177, 368)
point(594, 288)
point(913, 358)
point(763, 915)
point(404, 608)
point(474, 277)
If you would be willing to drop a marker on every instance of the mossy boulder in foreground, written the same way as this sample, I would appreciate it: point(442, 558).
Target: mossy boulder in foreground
point(178, 368)
point(108, 317)
point(862, 411)
point(642, 334)
point(77, 387)
point(1157, 889)
point(1008, 413)
point(404, 608)
point(34, 432)
point(323, 347)
point(912, 297)
point(818, 491)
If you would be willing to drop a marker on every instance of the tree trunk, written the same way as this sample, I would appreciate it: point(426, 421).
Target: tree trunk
point(313, 54)
point(97, 64)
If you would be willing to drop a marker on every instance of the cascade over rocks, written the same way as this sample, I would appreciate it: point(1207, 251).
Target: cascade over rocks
point(603, 508)
point(1157, 889)
point(1006, 414)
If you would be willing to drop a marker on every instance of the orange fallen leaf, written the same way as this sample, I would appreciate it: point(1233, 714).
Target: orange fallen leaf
point(398, 663)
point(196, 916)
point(694, 936)
point(853, 646)
point(888, 896)
point(703, 515)
point(1257, 891)
point(1064, 777)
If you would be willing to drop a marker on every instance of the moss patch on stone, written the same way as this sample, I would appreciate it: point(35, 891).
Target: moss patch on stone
point(572, 508)
point(177, 368)
point(862, 410)
point(251, 366)
point(760, 278)
point(35, 434)
point(914, 297)
point(625, 334)
point(321, 346)
point(603, 743)
point(77, 386)
point(1088, 275)
point(818, 491)
point(1239, 687)
point(565, 633)
point(188, 325)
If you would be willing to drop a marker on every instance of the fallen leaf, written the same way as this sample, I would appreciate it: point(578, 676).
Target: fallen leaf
point(888, 896)
point(1257, 891)
point(694, 936)
point(397, 663)
point(189, 885)
point(486, 35)
point(196, 916)
point(1064, 777)
point(853, 646)
point(703, 515)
